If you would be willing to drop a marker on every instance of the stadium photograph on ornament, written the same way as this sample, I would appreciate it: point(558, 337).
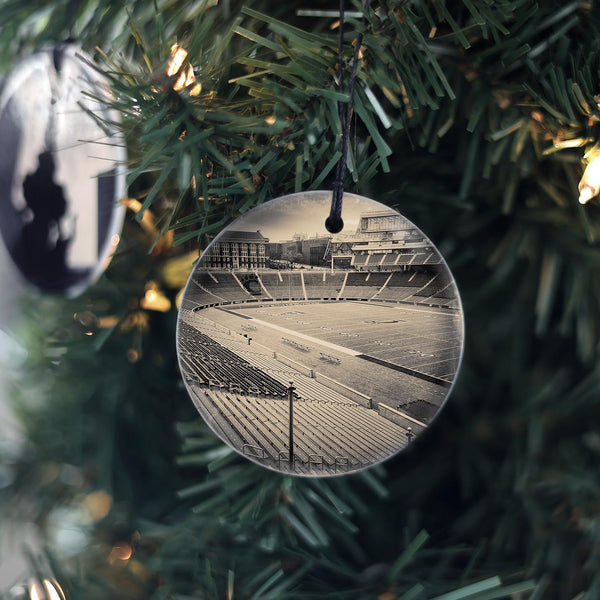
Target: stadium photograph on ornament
point(319, 354)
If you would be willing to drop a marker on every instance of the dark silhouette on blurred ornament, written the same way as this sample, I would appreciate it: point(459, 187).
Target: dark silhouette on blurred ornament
point(41, 249)
point(60, 183)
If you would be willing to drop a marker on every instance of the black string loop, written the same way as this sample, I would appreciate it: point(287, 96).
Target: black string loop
point(334, 222)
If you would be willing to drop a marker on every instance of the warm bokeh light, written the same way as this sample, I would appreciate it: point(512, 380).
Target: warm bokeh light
point(35, 593)
point(120, 552)
point(586, 193)
point(98, 504)
point(178, 55)
point(589, 186)
point(154, 299)
point(178, 297)
point(53, 590)
point(176, 270)
point(147, 221)
point(107, 322)
point(186, 76)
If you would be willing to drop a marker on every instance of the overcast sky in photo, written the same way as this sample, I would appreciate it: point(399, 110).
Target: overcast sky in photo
point(304, 213)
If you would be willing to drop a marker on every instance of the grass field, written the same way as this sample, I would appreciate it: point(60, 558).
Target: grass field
point(410, 337)
point(419, 337)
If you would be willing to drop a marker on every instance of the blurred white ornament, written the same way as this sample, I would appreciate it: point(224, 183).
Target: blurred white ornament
point(62, 170)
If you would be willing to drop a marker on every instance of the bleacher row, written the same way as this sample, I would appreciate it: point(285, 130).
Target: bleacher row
point(212, 363)
point(323, 433)
point(331, 431)
point(219, 287)
point(306, 387)
point(388, 260)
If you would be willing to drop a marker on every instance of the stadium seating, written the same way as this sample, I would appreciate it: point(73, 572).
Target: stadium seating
point(333, 283)
point(211, 363)
point(323, 285)
point(437, 285)
point(388, 260)
point(374, 280)
point(400, 279)
point(403, 259)
point(419, 258)
point(363, 285)
point(378, 261)
point(315, 285)
point(401, 286)
point(359, 260)
point(242, 391)
point(221, 284)
point(420, 278)
point(328, 431)
point(283, 285)
point(198, 295)
point(421, 285)
point(396, 293)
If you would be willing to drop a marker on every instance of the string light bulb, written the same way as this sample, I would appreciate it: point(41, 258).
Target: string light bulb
point(589, 186)
point(154, 299)
point(51, 590)
point(35, 593)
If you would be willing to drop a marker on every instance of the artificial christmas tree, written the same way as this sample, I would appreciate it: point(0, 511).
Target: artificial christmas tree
point(472, 118)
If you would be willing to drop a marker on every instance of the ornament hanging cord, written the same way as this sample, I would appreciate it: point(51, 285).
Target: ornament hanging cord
point(334, 222)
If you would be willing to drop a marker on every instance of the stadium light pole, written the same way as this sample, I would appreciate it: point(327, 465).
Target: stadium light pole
point(291, 399)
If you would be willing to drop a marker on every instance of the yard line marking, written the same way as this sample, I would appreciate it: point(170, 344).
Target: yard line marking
point(308, 338)
point(421, 310)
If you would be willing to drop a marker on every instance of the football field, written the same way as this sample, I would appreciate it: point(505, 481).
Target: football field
point(420, 337)
point(393, 353)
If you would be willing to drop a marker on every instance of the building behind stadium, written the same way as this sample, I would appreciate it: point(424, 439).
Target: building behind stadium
point(375, 245)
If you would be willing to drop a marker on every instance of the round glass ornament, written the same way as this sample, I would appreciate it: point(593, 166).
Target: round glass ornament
point(317, 354)
point(62, 170)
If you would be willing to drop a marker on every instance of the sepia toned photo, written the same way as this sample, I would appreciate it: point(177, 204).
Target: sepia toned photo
point(319, 354)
